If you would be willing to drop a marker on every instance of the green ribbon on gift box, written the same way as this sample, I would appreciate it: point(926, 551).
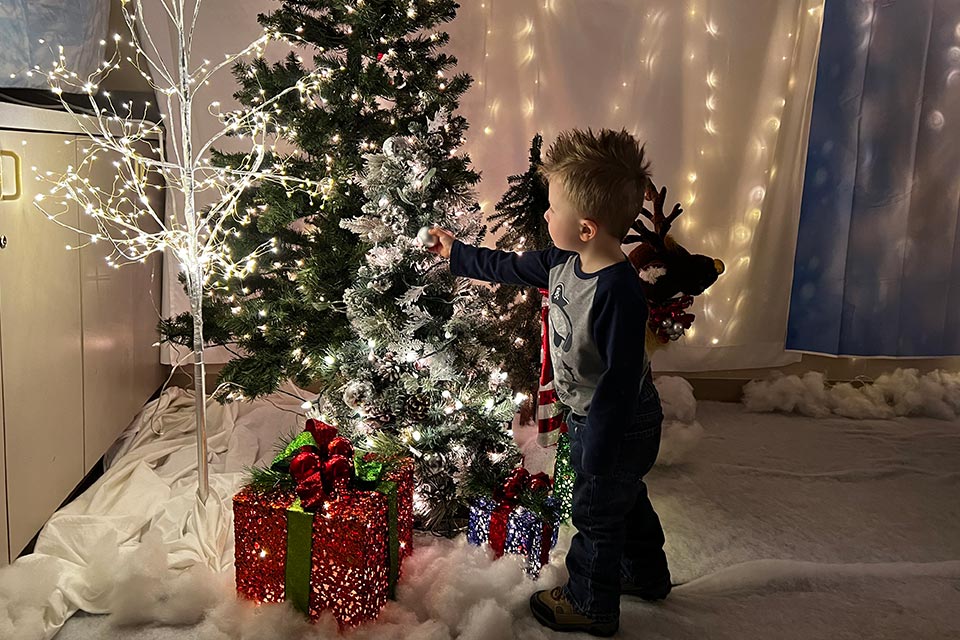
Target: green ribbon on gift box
point(282, 461)
point(300, 536)
point(299, 553)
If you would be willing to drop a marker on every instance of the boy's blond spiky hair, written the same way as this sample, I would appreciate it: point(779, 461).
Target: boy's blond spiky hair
point(605, 175)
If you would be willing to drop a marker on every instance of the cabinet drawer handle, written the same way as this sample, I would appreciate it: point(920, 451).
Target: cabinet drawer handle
point(18, 188)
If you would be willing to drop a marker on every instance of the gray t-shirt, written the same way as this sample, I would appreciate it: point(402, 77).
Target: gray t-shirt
point(597, 329)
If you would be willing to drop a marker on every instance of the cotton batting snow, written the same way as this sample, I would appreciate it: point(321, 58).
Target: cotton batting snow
point(681, 431)
point(780, 527)
point(902, 393)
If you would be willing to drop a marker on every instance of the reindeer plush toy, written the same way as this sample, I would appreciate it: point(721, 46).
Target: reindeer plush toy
point(670, 275)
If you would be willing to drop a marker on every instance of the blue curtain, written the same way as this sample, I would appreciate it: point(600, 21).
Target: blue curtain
point(877, 269)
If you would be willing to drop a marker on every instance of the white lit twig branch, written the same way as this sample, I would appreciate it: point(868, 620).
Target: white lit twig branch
point(140, 151)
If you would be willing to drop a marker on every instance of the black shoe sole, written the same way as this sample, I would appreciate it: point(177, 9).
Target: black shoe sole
point(600, 629)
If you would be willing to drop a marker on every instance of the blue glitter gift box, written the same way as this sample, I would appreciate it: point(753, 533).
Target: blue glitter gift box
point(511, 528)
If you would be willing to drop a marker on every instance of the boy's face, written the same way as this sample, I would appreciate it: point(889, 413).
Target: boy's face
point(567, 226)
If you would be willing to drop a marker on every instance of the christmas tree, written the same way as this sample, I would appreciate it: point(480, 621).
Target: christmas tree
point(381, 68)
point(520, 214)
point(418, 377)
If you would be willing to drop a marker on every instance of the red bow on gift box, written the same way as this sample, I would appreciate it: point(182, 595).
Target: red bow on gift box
point(322, 470)
point(508, 496)
point(518, 480)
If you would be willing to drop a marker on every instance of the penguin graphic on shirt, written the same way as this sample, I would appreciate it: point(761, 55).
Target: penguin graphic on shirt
point(559, 320)
point(562, 326)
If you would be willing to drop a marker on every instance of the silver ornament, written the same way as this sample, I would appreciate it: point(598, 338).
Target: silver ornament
point(426, 238)
point(357, 393)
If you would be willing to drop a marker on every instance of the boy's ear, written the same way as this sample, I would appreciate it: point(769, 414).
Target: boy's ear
point(588, 229)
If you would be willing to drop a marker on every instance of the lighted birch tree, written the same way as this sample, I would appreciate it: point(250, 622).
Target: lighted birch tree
point(207, 190)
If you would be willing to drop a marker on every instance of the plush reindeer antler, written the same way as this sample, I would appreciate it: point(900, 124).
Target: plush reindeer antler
point(669, 274)
point(661, 223)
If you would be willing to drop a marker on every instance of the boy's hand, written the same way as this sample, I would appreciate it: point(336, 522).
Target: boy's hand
point(444, 244)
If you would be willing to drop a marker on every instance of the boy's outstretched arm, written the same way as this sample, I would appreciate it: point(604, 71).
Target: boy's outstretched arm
point(528, 268)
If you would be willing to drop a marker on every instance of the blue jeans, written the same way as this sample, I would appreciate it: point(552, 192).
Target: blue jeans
point(619, 536)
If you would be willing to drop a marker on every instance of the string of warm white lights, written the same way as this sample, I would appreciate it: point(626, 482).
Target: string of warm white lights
point(717, 90)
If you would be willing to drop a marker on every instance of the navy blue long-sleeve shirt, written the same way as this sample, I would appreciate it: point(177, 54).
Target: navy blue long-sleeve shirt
point(597, 328)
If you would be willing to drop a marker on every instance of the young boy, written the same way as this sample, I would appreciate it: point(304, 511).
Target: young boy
point(598, 317)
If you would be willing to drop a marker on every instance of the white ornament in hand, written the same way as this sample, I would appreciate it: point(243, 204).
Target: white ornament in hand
point(426, 238)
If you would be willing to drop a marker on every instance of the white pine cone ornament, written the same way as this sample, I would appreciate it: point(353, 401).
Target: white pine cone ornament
point(417, 408)
point(389, 369)
point(379, 418)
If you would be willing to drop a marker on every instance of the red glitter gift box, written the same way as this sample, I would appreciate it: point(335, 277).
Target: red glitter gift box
point(345, 558)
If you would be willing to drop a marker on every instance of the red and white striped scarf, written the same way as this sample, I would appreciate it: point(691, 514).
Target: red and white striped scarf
point(550, 422)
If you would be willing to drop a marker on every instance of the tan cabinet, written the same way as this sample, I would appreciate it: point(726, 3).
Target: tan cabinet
point(120, 310)
point(77, 359)
point(4, 536)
